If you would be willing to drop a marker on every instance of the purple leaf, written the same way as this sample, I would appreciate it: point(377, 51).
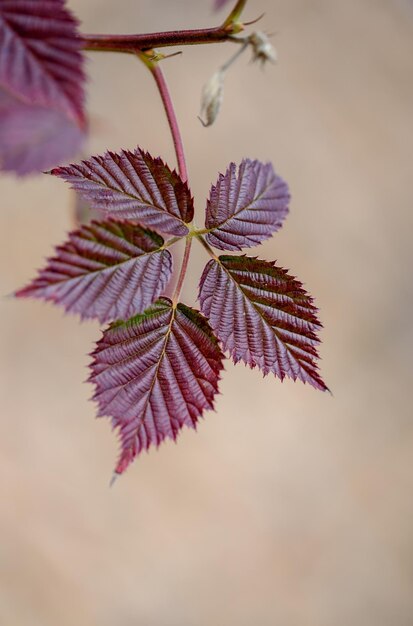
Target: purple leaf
point(247, 207)
point(155, 374)
point(134, 186)
point(108, 270)
point(32, 138)
point(41, 85)
point(262, 316)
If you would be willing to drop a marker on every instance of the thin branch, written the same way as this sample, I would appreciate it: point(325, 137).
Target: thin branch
point(238, 53)
point(141, 42)
point(171, 116)
point(133, 43)
point(184, 268)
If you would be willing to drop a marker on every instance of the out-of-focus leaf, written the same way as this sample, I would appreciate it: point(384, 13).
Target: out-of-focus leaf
point(134, 186)
point(108, 270)
point(246, 207)
point(262, 316)
point(155, 374)
point(32, 138)
point(41, 85)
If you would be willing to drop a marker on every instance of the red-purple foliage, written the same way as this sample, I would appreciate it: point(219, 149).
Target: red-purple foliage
point(159, 370)
point(41, 85)
point(108, 270)
point(155, 374)
point(247, 207)
point(133, 186)
point(157, 366)
point(262, 316)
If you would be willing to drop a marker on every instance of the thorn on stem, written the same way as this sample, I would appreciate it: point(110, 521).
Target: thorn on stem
point(257, 19)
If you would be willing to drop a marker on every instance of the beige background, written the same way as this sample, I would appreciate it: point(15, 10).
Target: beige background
point(288, 507)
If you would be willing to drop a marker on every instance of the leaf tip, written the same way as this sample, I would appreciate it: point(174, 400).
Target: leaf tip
point(114, 478)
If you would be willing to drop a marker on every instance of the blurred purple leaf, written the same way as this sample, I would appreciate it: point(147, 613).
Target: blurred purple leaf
point(247, 207)
point(155, 374)
point(41, 85)
point(134, 186)
point(32, 138)
point(262, 316)
point(108, 270)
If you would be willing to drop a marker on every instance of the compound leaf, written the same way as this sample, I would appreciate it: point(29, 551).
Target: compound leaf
point(246, 207)
point(134, 186)
point(107, 270)
point(262, 316)
point(41, 85)
point(155, 374)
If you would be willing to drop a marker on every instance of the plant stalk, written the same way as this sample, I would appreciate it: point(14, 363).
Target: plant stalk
point(183, 270)
point(171, 117)
point(134, 43)
point(141, 42)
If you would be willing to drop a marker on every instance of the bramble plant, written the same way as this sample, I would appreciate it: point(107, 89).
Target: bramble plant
point(158, 364)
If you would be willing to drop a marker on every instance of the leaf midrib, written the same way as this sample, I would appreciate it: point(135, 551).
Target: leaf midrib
point(244, 208)
point(128, 195)
point(107, 268)
point(262, 318)
point(155, 376)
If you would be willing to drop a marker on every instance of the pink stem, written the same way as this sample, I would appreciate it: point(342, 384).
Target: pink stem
point(172, 121)
point(184, 268)
point(180, 157)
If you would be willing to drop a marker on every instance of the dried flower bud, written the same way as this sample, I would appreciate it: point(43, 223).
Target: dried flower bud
point(212, 95)
point(262, 48)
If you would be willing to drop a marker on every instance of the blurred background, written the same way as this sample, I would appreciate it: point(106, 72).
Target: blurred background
point(288, 507)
